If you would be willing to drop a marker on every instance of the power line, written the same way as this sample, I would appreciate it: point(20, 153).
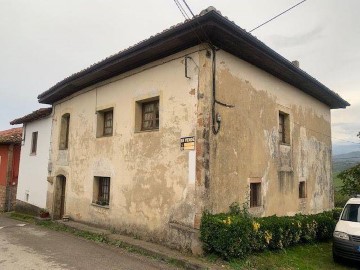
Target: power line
point(181, 10)
point(188, 8)
point(277, 16)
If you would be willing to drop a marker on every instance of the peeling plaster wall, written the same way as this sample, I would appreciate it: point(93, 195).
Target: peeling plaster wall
point(151, 193)
point(247, 145)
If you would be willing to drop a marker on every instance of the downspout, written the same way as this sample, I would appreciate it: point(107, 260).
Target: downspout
point(216, 117)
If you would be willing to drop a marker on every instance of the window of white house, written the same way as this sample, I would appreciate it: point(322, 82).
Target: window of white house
point(302, 189)
point(105, 122)
point(284, 128)
point(147, 115)
point(101, 195)
point(34, 138)
point(255, 194)
point(64, 132)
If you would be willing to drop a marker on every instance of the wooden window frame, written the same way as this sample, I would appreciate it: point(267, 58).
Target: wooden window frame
point(108, 128)
point(64, 132)
point(34, 139)
point(255, 194)
point(155, 115)
point(103, 191)
point(284, 128)
point(105, 122)
point(302, 190)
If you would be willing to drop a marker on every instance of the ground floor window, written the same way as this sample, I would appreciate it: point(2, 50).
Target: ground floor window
point(302, 189)
point(102, 190)
point(255, 194)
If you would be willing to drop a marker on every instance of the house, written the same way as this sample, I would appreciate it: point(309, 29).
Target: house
point(194, 118)
point(10, 145)
point(34, 160)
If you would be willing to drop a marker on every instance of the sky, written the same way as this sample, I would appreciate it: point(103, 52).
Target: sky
point(44, 41)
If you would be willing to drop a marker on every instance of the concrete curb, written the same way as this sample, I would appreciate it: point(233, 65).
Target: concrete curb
point(147, 248)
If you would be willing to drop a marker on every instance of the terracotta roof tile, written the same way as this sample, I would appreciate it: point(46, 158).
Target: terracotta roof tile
point(10, 136)
point(35, 115)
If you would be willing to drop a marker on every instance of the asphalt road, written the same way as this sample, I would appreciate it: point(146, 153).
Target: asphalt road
point(25, 246)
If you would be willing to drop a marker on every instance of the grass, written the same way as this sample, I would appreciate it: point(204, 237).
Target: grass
point(22, 217)
point(307, 257)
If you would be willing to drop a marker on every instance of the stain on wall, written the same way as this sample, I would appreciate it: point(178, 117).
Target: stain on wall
point(248, 143)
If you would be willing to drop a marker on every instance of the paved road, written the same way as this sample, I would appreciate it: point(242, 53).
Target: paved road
point(25, 246)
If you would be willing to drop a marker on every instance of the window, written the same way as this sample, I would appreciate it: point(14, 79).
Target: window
point(64, 132)
point(108, 123)
point(284, 128)
point(102, 190)
point(105, 122)
point(302, 189)
point(255, 194)
point(150, 115)
point(351, 213)
point(147, 114)
point(34, 143)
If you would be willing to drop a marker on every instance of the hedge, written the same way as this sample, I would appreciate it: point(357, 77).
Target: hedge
point(236, 234)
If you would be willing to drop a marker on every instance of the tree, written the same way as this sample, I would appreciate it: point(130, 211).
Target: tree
point(351, 181)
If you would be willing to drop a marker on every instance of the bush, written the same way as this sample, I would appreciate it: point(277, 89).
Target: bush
point(231, 235)
point(351, 181)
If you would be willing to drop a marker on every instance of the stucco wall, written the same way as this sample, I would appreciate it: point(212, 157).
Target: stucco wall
point(152, 180)
point(9, 169)
point(33, 170)
point(3, 163)
point(247, 146)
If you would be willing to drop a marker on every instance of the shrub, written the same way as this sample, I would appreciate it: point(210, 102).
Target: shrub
point(236, 234)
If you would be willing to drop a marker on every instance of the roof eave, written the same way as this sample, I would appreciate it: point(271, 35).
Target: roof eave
point(189, 34)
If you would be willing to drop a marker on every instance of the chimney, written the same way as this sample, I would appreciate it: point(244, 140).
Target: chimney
point(296, 63)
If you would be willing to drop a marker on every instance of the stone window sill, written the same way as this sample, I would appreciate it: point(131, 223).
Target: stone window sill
point(100, 206)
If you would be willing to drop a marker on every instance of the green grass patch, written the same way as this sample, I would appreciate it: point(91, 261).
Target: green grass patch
point(22, 217)
point(309, 257)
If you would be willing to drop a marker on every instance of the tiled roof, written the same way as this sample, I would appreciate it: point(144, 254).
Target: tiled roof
point(10, 136)
point(210, 27)
point(35, 115)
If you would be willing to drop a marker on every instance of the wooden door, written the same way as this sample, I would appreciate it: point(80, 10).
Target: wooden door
point(62, 196)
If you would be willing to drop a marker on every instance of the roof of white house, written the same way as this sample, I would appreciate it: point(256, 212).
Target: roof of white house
point(35, 115)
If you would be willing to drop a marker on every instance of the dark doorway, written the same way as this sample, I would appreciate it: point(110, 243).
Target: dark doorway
point(62, 195)
point(60, 199)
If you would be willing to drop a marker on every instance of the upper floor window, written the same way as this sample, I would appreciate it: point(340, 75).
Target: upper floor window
point(34, 143)
point(150, 115)
point(147, 114)
point(105, 122)
point(284, 128)
point(64, 132)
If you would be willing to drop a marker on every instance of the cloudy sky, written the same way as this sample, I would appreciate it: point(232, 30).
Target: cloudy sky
point(44, 41)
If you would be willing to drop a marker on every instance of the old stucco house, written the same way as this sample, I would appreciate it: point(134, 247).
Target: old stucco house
point(34, 160)
point(197, 117)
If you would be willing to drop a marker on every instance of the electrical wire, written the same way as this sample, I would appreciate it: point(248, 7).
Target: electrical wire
point(277, 16)
point(181, 10)
point(188, 8)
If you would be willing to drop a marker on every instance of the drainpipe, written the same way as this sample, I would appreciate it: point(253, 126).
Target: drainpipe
point(216, 118)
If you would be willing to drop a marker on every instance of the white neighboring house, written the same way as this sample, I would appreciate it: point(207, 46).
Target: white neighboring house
point(34, 158)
